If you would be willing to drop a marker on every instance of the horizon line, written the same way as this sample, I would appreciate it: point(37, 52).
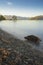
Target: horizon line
point(19, 16)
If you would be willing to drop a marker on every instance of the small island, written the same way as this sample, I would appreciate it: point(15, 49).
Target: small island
point(36, 18)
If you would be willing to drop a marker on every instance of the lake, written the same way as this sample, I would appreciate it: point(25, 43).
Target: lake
point(22, 28)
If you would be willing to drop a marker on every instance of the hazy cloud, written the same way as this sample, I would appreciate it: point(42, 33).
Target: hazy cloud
point(9, 3)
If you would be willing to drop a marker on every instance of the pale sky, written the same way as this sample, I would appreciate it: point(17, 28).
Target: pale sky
point(23, 8)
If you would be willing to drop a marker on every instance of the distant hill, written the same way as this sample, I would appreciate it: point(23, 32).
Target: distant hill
point(22, 18)
point(13, 17)
point(10, 17)
point(36, 18)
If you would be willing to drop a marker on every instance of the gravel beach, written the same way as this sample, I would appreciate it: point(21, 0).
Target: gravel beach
point(17, 52)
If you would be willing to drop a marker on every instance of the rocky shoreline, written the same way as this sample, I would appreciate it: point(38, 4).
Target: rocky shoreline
point(16, 52)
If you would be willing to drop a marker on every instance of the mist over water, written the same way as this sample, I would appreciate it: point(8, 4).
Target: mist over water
point(22, 28)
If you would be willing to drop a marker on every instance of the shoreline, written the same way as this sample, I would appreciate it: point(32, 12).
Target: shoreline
point(21, 48)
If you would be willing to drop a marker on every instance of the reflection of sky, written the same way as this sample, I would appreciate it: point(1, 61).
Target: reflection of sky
point(21, 7)
point(22, 28)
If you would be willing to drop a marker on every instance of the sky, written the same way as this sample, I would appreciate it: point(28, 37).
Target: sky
point(25, 8)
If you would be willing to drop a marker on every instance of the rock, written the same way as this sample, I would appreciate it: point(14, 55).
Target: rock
point(33, 38)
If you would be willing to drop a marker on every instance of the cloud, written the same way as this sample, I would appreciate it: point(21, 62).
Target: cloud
point(9, 3)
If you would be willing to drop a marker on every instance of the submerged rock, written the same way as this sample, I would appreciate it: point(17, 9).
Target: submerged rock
point(33, 38)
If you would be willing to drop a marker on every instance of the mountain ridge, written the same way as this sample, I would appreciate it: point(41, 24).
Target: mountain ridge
point(40, 17)
point(14, 17)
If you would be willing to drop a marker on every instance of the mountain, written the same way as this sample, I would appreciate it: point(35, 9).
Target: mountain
point(10, 17)
point(36, 18)
point(13, 17)
point(22, 18)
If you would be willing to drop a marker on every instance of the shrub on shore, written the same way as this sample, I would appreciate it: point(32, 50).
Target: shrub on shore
point(2, 17)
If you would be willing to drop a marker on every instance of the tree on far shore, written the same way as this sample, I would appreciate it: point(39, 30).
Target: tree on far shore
point(2, 17)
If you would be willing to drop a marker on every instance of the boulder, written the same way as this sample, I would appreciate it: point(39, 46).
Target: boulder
point(33, 38)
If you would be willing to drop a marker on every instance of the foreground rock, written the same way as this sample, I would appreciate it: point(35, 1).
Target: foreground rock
point(16, 52)
point(33, 38)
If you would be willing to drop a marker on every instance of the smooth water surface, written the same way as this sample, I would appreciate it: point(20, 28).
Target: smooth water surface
point(22, 28)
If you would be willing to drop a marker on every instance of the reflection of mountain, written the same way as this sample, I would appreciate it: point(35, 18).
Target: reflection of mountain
point(36, 18)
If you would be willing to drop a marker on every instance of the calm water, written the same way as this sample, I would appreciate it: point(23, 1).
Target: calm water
point(22, 28)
